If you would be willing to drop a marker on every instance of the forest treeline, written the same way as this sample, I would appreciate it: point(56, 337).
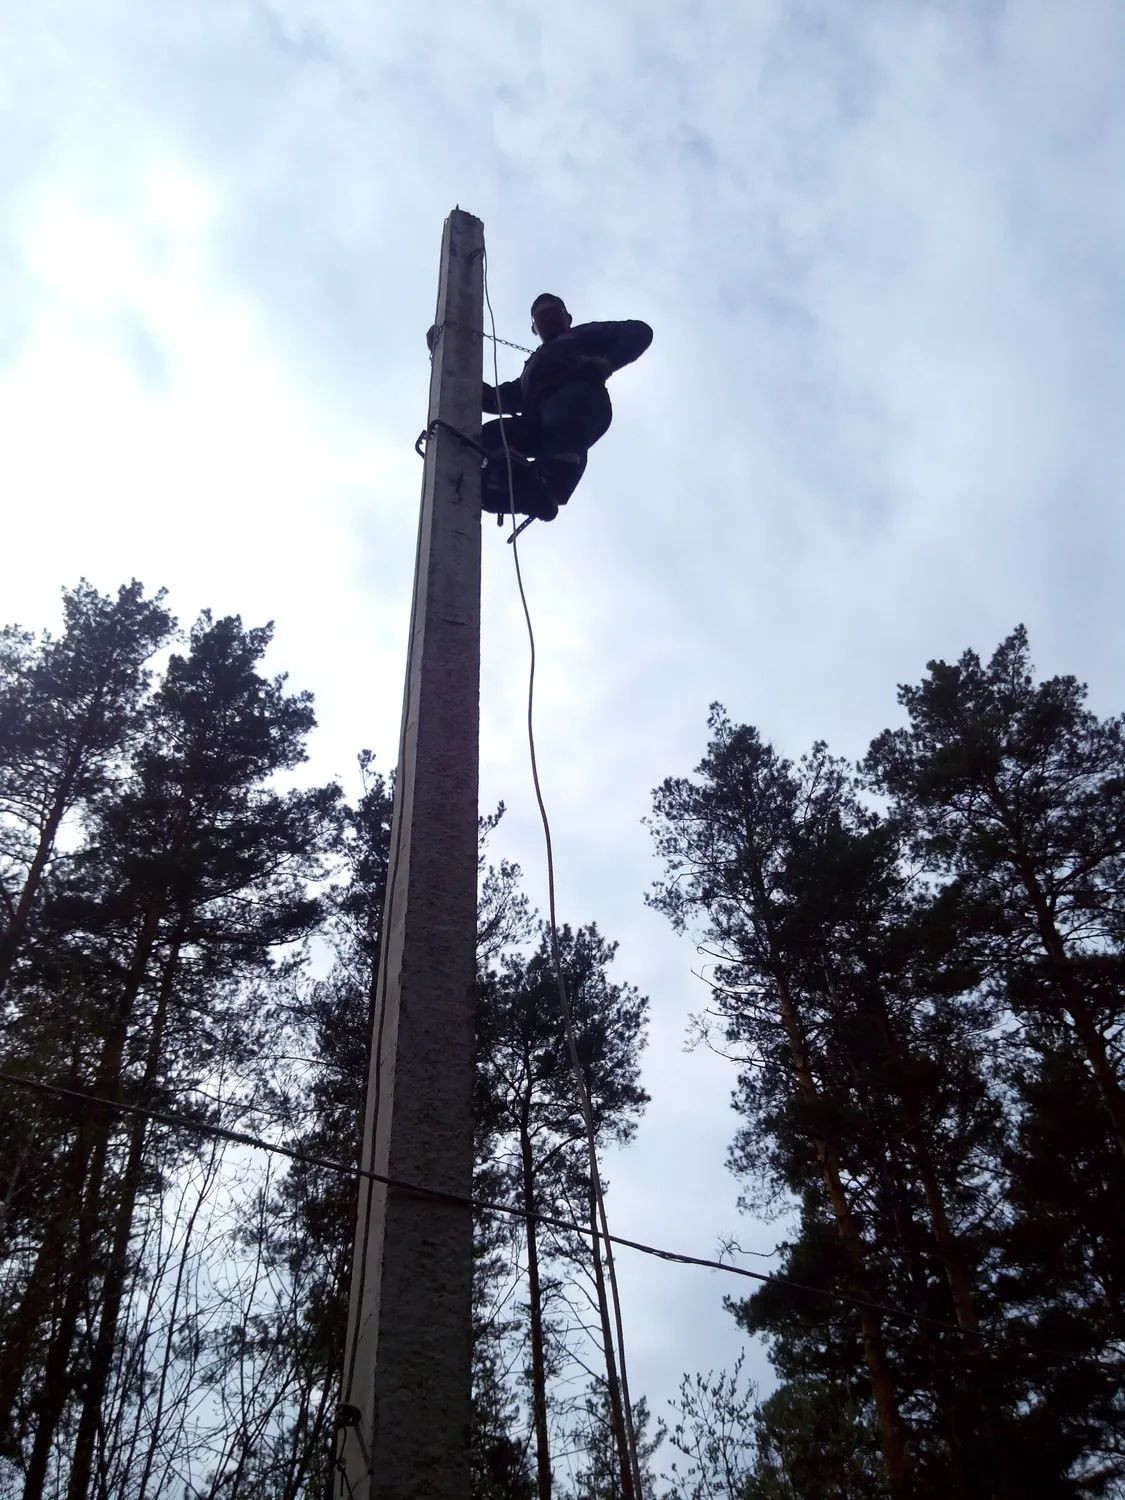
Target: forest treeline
point(915, 968)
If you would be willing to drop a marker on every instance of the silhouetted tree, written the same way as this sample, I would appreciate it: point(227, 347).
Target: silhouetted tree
point(195, 873)
point(68, 709)
point(593, 1435)
point(528, 1104)
point(1016, 793)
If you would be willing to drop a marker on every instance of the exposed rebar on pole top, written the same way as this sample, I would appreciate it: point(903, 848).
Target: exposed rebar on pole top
point(403, 1420)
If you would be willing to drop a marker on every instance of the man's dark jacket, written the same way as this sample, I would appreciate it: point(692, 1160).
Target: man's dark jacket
point(556, 363)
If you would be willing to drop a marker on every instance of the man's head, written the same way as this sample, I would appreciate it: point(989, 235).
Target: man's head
point(549, 316)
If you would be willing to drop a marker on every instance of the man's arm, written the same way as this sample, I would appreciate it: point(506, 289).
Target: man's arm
point(503, 400)
point(617, 343)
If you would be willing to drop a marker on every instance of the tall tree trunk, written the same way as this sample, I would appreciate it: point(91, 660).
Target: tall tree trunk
point(956, 1399)
point(117, 1270)
point(12, 936)
point(616, 1405)
point(173, 1327)
point(1093, 1043)
point(19, 1331)
point(59, 1259)
point(977, 1445)
point(953, 1263)
point(535, 1300)
point(954, 1266)
point(892, 1429)
point(314, 1438)
point(978, 1465)
point(90, 1159)
point(58, 1377)
point(16, 1173)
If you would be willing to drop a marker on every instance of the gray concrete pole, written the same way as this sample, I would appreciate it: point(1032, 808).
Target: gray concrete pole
point(404, 1418)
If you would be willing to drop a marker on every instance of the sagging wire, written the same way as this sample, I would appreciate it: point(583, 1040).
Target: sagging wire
point(441, 1195)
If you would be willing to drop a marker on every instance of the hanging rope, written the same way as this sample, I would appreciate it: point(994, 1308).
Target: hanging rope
point(629, 1461)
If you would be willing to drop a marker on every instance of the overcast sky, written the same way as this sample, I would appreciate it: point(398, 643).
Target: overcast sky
point(880, 246)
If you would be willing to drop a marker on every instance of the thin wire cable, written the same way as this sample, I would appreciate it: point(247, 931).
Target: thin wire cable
point(483, 1205)
point(630, 1457)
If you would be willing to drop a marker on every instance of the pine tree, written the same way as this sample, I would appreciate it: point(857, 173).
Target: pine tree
point(908, 996)
point(68, 708)
point(860, 1042)
point(528, 1105)
point(593, 1435)
point(811, 1438)
point(165, 968)
point(195, 874)
point(1061, 1278)
point(1016, 793)
point(305, 1239)
point(815, 1440)
point(499, 1460)
point(731, 843)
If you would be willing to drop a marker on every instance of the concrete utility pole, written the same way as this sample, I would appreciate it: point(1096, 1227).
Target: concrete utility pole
point(404, 1421)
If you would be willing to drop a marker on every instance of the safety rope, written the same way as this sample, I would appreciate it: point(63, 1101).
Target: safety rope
point(629, 1458)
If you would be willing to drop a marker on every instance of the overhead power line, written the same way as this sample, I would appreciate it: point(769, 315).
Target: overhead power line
point(484, 1205)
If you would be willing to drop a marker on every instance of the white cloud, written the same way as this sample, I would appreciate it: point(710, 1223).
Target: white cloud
point(879, 421)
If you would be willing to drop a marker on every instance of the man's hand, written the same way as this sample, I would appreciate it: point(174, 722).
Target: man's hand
point(594, 367)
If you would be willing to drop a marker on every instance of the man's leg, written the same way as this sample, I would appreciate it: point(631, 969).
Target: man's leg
point(529, 481)
point(572, 419)
point(519, 434)
point(559, 476)
point(529, 495)
point(571, 422)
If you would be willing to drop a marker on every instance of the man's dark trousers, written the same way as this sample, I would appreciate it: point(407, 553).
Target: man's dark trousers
point(557, 437)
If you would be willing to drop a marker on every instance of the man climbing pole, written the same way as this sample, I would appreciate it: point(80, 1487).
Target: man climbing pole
point(556, 411)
